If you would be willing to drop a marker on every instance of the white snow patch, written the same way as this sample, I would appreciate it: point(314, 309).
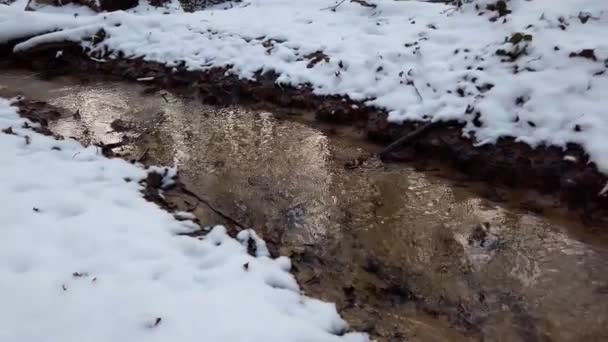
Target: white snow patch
point(19, 4)
point(84, 256)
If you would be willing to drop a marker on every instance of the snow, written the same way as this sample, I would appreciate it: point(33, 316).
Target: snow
point(83, 257)
point(19, 4)
point(421, 61)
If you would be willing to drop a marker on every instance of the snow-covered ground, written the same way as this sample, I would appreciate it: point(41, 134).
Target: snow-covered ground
point(83, 257)
point(537, 72)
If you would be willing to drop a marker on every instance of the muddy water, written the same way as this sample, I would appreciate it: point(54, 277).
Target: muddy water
point(405, 254)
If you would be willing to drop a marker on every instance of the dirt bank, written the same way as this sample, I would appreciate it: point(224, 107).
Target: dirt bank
point(566, 174)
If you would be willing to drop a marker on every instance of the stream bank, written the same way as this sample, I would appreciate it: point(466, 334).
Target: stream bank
point(415, 253)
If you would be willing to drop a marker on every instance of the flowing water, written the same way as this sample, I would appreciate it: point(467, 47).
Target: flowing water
point(407, 252)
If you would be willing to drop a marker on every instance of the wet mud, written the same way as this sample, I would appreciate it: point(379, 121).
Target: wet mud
point(412, 252)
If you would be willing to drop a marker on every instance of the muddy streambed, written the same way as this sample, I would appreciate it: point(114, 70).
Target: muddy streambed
point(408, 252)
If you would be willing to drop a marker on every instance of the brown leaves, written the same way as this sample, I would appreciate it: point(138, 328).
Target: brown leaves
point(518, 37)
point(513, 54)
point(500, 6)
point(316, 57)
point(9, 130)
point(585, 53)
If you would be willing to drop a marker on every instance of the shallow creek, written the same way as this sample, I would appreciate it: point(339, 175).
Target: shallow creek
point(407, 252)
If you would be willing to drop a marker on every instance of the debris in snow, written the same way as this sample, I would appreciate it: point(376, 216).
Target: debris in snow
point(500, 7)
point(155, 323)
point(255, 245)
point(80, 274)
point(334, 7)
point(8, 130)
point(364, 3)
point(316, 57)
point(585, 53)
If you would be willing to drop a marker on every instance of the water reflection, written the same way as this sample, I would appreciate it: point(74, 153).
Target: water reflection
point(287, 180)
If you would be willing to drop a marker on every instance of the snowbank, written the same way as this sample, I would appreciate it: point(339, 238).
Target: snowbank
point(536, 71)
point(83, 257)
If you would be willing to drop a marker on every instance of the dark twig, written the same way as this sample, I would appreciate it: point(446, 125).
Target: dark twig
point(411, 83)
point(143, 155)
point(164, 96)
point(364, 3)
point(407, 138)
point(215, 210)
point(333, 8)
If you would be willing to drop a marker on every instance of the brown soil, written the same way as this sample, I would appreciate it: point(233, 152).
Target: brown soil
point(576, 181)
